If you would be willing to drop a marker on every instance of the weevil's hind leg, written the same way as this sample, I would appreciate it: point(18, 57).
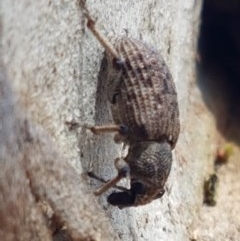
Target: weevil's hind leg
point(123, 171)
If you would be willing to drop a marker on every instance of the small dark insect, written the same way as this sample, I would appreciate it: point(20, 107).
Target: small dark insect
point(210, 190)
point(145, 111)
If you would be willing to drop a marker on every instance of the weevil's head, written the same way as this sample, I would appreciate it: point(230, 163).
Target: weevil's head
point(150, 164)
point(137, 195)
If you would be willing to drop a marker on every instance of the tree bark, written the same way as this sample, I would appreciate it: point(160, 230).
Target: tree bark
point(33, 173)
point(52, 62)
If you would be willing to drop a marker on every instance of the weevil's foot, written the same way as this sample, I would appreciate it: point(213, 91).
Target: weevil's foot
point(72, 125)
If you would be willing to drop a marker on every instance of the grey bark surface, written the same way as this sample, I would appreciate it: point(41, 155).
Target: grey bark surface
point(35, 178)
point(53, 61)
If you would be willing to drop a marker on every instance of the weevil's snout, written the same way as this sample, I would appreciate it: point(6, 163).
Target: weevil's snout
point(121, 199)
point(145, 194)
point(139, 194)
point(127, 198)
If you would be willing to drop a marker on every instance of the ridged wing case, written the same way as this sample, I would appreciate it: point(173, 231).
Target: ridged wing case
point(142, 92)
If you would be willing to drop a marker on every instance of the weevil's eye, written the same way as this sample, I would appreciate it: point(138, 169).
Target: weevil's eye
point(121, 199)
point(137, 188)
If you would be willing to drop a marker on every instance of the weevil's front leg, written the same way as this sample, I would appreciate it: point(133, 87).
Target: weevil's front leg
point(93, 175)
point(104, 129)
point(123, 171)
point(108, 185)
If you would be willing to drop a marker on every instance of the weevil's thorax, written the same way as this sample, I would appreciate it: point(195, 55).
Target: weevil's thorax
point(141, 92)
point(150, 163)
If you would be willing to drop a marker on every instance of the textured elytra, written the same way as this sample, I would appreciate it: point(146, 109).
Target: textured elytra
point(142, 93)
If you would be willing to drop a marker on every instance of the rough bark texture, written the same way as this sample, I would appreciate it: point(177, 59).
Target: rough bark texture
point(53, 61)
point(33, 173)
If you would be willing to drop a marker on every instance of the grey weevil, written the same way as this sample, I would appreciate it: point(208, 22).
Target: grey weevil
point(145, 111)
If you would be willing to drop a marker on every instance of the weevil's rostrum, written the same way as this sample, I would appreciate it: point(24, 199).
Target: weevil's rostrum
point(145, 112)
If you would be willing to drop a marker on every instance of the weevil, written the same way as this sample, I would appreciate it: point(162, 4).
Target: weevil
point(144, 106)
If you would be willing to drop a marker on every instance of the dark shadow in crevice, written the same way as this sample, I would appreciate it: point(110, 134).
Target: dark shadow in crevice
point(102, 108)
point(219, 66)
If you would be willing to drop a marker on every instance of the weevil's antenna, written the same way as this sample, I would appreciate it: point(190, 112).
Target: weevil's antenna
point(91, 24)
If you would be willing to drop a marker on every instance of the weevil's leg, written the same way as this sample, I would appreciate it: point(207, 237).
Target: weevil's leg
point(93, 175)
point(123, 171)
point(108, 185)
point(104, 128)
point(101, 38)
point(121, 129)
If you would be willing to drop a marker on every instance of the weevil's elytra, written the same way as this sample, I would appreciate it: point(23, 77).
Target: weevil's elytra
point(145, 111)
point(146, 96)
